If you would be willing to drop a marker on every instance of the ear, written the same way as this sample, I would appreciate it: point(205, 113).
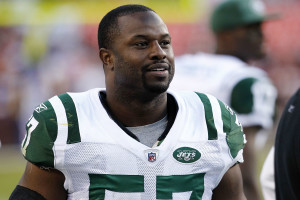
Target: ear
point(106, 58)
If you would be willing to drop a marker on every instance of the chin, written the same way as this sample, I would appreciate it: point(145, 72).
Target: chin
point(158, 89)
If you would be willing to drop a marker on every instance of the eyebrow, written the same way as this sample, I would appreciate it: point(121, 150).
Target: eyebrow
point(145, 37)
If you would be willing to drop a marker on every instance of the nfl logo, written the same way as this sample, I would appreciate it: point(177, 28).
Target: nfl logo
point(151, 156)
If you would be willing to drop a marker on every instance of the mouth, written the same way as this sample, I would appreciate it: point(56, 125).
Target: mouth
point(158, 67)
point(158, 70)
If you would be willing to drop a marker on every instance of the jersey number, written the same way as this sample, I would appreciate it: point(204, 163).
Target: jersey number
point(165, 185)
point(31, 125)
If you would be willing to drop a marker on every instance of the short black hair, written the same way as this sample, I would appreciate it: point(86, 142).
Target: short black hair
point(108, 26)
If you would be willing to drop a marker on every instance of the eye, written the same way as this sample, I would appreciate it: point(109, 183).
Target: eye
point(142, 44)
point(165, 43)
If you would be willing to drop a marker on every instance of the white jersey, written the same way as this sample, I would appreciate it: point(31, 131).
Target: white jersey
point(246, 89)
point(75, 134)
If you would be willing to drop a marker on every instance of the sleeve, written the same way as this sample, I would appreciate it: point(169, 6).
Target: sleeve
point(227, 124)
point(41, 133)
point(253, 99)
point(235, 136)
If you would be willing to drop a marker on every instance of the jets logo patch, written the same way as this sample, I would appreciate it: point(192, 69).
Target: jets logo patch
point(151, 154)
point(186, 155)
point(41, 108)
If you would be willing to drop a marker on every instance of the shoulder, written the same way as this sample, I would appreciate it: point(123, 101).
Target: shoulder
point(187, 97)
point(190, 99)
point(41, 133)
point(208, 102)
point(205, 67)
point(53, 121)
point(208, 59)
point(289, 121)
point(219, 118)
point(249, 88)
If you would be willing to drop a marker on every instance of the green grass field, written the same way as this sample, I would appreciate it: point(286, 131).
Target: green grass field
point(12, 165)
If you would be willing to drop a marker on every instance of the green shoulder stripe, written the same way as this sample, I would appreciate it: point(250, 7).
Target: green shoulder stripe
point(73, 129)
point(209, 118)
point(242, 97)
point(233, 130)
point(225, 118)
point(41, 134)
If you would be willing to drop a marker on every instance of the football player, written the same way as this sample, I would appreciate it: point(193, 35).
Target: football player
point(133, 140)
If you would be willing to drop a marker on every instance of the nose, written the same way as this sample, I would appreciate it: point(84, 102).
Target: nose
point(157, 52)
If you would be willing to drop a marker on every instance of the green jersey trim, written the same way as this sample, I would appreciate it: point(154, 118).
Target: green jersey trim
point(242, 98)
point(73, 128)
point(41, 134)
point(117, 183)
point(225, 118)
point(233, 130)
point(211, 128)
point(165, 185)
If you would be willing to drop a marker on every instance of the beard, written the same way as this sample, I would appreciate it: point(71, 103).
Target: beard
point(158, 88)
point(135, 77)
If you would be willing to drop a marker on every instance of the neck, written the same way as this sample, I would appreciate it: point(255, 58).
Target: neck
point(226, 45)
point(222, 51)
point(133, 109)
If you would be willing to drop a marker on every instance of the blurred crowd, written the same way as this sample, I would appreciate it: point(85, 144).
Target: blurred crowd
point(37, 62)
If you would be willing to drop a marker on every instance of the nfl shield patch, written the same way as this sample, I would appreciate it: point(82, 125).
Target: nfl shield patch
point(151, 154)
point(151, 157)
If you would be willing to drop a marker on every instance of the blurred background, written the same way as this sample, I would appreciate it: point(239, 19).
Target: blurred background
point(50, 47)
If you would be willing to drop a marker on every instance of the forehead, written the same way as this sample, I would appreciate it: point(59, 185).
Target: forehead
point(142, 23)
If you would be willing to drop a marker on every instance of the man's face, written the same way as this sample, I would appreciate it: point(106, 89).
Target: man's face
point(249, 41)
point(142, 53)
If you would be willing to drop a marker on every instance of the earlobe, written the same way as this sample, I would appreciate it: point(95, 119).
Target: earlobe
point(106, 58)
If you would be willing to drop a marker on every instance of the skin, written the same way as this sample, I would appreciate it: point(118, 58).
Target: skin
point(48, 183)
point(248, 167)
point(142, 45)
point(245, 43)
point(135, 94)
point(231, 186)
